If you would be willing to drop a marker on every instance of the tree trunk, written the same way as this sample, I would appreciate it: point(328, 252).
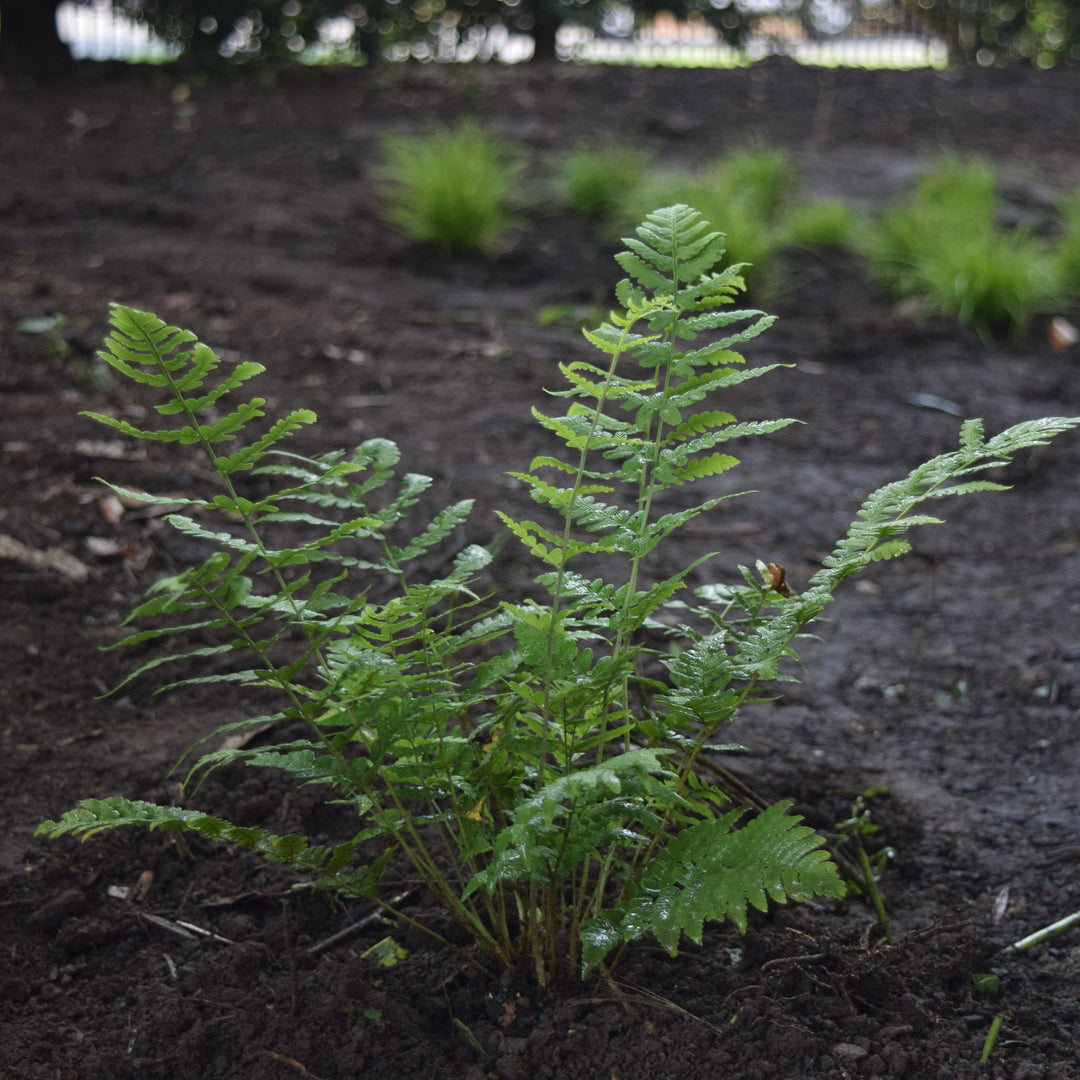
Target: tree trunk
point(29, 42)
point(545, 25)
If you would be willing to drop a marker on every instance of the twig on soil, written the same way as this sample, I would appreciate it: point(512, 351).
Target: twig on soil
point(646, 997)
point(280, 1058)
point(780, 961)
point(797, 962)
point(204, 933)
point(344, 935)
point(350, 931)
point(1046, 932)
point(187, 931)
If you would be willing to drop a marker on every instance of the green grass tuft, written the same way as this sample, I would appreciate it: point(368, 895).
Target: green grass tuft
point(822, 223)
point(943, 245)
point(450, 188)
point(593, 181)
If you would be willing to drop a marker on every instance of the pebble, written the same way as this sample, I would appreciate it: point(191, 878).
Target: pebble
point(848, 1052)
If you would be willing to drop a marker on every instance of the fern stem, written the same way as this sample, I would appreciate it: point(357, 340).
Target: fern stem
point(560, 576)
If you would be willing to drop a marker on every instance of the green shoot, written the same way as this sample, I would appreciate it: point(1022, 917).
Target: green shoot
point(1047, 932)
point(991, 1040)
point(851, 831)
point(1067, 249)
point(51, 327)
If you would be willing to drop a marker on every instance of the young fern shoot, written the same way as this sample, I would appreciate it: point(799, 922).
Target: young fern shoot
point(534, 761)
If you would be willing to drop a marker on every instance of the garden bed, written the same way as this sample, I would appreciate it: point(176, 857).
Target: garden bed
point(950, 678)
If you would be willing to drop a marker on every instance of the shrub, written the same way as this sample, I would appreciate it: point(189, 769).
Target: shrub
point(954, 198)
point(532, 759)
point(450, 188)
point(759, 178)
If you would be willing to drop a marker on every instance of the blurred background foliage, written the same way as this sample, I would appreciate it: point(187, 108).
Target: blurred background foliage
point(1040, 32)
point(214, 33)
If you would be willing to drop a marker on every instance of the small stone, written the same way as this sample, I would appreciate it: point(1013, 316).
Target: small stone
point(848, 1052)
point(897, 1060)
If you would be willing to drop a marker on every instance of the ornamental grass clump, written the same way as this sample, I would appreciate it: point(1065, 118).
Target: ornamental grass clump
point(533, 760)
point(594, 180)
point(943, 247)
point(450, 188)
point(820, 223)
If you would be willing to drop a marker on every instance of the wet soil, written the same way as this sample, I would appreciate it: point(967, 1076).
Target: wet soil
point(950, 678)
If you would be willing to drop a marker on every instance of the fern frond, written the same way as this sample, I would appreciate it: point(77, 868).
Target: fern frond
point(93, 816)
point(247, 457)
point(698, 424)
point(613, 339)
point(337, 472)
point(1021, 436)
point(887, 513)
point(674, 245)
point(239, 375)
point(581, 812)
point(146, 350)
point(698, 468)
point(602, 385)
point(558, 498)
point(714, 871)
point(192, 528)
point(545, 545)
point(437, 530)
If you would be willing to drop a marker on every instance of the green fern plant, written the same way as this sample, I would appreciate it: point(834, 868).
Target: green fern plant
point(522, 755)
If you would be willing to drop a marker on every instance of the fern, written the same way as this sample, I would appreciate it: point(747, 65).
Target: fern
point(713, 871)
point(512, 751)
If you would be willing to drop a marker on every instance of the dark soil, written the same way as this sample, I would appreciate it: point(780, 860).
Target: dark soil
point(951, 678)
